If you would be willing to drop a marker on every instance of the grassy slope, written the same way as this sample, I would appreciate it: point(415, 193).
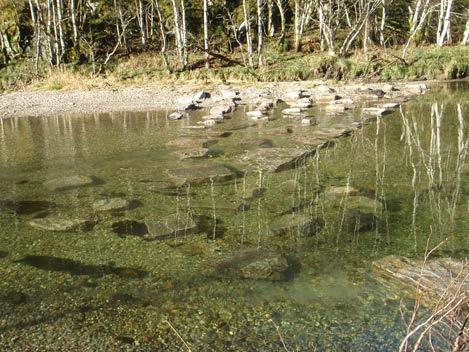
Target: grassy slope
point(421, 63)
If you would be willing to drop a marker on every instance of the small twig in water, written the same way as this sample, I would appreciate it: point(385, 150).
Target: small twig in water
point(180, 337)
point(279, 335)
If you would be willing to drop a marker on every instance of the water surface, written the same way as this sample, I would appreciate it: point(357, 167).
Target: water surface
point(114, 287)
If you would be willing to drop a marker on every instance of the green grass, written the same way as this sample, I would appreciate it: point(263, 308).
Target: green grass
point(422, 63)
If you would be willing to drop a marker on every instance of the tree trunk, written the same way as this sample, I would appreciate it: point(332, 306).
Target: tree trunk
point(206, 43)
point(446, 23)
point(260, 34)
point(184, 34)
point(142, 22)
point(248, 33)
point(177, 32)
point(382, 39)
point(74, 21)
point(163, 36)
point(61, 28)
point(465, 38)
point(281, 10)
point(270, 23)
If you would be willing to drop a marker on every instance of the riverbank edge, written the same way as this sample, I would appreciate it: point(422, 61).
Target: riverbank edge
point(153, 97)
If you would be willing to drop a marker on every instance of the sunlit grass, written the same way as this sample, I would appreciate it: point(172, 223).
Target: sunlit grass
point(140, 69)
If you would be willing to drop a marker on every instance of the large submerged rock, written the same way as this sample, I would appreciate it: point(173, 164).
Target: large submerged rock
point(69, 182)
point(296, 224)
point(61, 224)
point(255, 265)
point(275, 159)
point(170, 226)
point(111, 204)
point(435, 280)
point(195, 175)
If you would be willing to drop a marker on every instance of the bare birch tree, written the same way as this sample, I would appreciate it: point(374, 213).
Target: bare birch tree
point(247, 24)
point(260, 34)
point(444, 22)
point(206, 43)
point(465, 38)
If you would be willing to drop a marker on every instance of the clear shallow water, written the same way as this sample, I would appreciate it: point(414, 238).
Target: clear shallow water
point(104, 291)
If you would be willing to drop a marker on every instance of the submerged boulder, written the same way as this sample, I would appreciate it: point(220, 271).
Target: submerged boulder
point(69, 182)
point(436, 280)
point(194, 153)
point(255, 265)
point(191, 142)
point(170, 226)
point(356, 220)
point(199, 174)
point(296, 224)
point(61, 224)
point(274, 268)
point(275, 159)
point(111, 204)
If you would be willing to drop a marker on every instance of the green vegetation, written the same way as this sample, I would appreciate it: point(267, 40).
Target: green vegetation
point(56, 44)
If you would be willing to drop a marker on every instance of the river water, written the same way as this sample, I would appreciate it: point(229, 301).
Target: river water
point(132, 280)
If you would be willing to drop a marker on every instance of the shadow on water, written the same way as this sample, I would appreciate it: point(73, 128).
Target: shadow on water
point(130, 228)
point(26, 207)
point(74, 267)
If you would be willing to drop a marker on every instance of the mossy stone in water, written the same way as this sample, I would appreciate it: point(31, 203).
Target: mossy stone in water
point(59, 224)
point(169, 226)
point(364, 204)
point(356, 220)
point(296, 224)
point(69, 182)
point(111, 204)
point(275, 159)
point(272, 269)
point(196, 175)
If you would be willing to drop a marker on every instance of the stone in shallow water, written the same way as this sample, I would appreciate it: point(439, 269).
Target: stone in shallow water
point(341, 191)
point(193, 153)
point(275, 159)
point(364, 204)
point(202, 95)
point(69, 182)
point(437, 278)
point(170, 226)
point(326, 98)
point(312, 142)
point(296, 224)
point(376, 111)
point(331, 133)
point(175, 116)
point(274, 268)
point(191, 142)
point(111, 204)
point(59, 224)
point(356, 220)
point(390, 105)
point(199, 174)
point(300, 103)
point(292, 111)
point(256, 114)
point(255, 265)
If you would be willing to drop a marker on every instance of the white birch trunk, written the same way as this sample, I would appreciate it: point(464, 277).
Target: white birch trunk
point(206, 43)
point(74, 20)
point(260, 34)
point(446, 23)
point(248, 33)
point(465, 38)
